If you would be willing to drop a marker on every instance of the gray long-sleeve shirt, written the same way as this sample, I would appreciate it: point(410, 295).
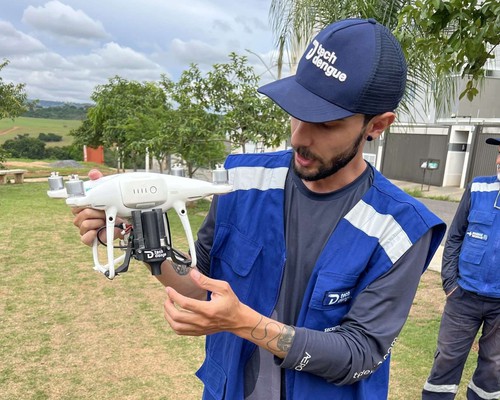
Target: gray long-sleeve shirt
point(368, 331)
point(453, 245)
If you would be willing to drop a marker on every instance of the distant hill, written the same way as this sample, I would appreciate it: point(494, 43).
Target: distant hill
point(49, 103)
point(57, 110)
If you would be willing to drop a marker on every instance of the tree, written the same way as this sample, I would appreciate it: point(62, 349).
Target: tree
point(246, 116)
point(126, 114)
point(439, 38)
point(12, 97)
point(24, 146)
point(457, 36)
point(192, 129)
point(192, 118)
point(3, 156)
point(12, 103)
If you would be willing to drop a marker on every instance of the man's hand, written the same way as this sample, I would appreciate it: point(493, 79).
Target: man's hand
point(88, 221)
point(224, 312)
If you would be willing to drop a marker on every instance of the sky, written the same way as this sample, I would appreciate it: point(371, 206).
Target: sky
point(63, 49)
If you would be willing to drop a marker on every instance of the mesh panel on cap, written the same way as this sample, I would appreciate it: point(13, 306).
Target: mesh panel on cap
point(387, 84)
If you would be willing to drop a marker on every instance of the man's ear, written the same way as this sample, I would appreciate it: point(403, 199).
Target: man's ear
point(379, 124)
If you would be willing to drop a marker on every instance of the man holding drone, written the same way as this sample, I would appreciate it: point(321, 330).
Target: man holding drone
point(307, 270)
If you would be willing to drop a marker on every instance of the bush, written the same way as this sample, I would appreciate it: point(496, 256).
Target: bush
point(3, 155)
point(24, 146)
point(64, 153)
point(49, 137)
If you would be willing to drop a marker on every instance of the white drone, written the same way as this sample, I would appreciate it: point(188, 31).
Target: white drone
point(144, 196)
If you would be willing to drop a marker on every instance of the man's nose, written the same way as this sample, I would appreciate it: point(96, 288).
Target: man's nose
point(302, 134)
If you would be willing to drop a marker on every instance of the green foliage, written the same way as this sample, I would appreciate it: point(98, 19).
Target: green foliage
point(457, 36)
point(72, 152)
point(65, 111)
point(49, 137)
point(192, 118)
point(192, 130)
point(246, 116)
point(3, 156)
point(125, 113)
point(24, 146)
point(440, 38)
point(12, 97)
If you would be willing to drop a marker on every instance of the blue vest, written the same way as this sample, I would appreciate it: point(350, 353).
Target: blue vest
point(249, 252)
point(479, 261)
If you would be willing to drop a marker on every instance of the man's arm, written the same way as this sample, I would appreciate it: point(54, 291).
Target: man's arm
point(223, 312)
point(203, 245)
point(359, 344)
point(453, 245)
point(366, 335)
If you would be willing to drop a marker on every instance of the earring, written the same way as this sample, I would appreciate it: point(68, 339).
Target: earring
point(369, 138)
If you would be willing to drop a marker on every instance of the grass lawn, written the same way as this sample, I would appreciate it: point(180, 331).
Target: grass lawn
point(66, 332)
point(43, 168)
point(9, 129)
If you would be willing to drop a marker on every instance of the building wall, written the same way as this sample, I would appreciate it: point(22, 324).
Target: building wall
point(486, 104)
point(483, 156)
point(411, 150)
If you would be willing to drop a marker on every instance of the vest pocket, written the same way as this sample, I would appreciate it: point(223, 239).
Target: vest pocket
point(478, 231)
point(332, 291)
point(213, 378)
point(330, 301)
point(472, 256)
point(481, 217)
point(233, 256)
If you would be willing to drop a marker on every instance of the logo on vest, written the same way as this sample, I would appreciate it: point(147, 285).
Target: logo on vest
point(324, 60)
point(477, 235)
point(335, 298)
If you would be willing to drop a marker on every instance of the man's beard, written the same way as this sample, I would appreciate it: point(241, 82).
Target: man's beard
point(327, 169)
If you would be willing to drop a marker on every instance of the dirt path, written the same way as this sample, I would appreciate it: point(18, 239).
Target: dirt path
point(10, 130)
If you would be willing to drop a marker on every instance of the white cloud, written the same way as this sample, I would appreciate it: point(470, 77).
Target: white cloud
point(61, 20)
point(15, 42)
point(67, 47)
point(112, 55)
point(196, 51)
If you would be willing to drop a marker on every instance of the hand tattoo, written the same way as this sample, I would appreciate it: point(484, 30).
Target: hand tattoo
point(181, 269)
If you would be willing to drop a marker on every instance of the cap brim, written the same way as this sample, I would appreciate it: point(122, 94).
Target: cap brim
point(494, 141)
point(300, 103)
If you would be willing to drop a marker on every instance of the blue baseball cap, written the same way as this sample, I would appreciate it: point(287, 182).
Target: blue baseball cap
point(495, 141)
point(353, 66)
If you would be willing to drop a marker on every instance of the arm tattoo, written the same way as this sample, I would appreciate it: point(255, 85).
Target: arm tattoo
point(282, 340)
point(285, 339)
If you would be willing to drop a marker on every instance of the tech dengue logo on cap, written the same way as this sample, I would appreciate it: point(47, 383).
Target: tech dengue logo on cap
point(324, 60)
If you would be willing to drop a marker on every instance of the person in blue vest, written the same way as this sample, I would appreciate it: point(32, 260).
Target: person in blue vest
point(307, 270)
point(471, 280)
